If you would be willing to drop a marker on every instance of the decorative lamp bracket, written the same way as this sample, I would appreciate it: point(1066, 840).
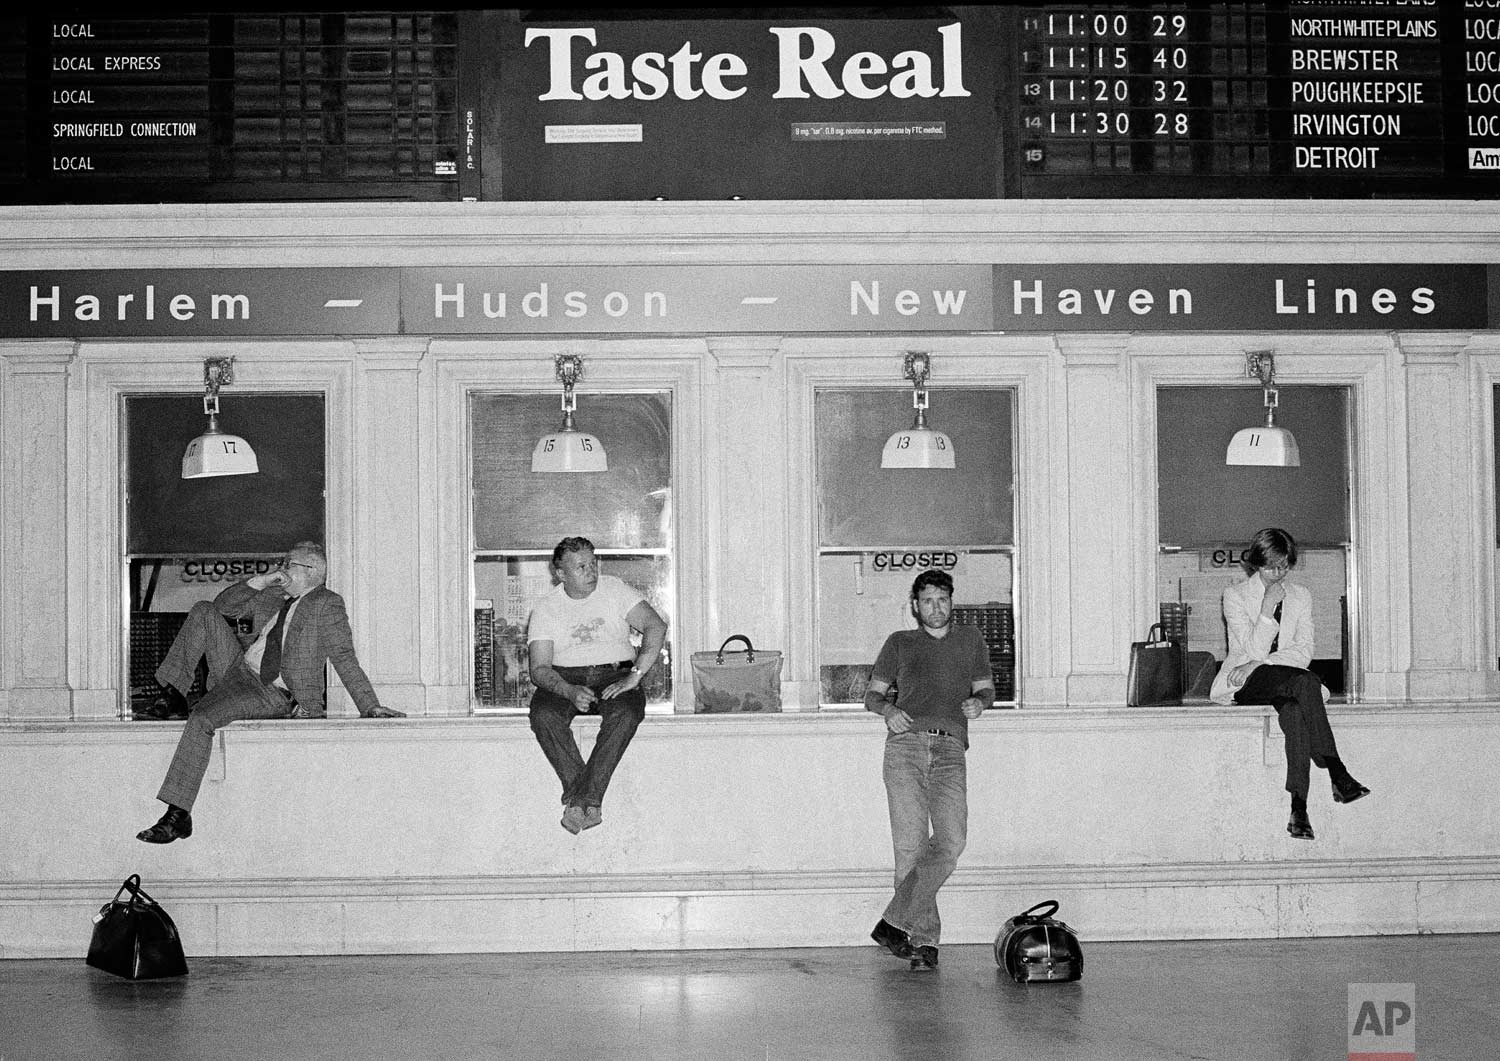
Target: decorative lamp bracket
point(217, 371)
point(916, 367)
point(569, 370)
point(1262, 365)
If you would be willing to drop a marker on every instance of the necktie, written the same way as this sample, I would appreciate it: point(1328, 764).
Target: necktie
point(270, 660)
point(1274, 615)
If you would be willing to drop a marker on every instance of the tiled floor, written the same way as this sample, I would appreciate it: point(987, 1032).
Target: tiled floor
point(1239, 1000)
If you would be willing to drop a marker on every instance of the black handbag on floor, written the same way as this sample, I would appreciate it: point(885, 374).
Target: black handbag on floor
point(1155, 670)
point(135, 938)
point(1032, 946)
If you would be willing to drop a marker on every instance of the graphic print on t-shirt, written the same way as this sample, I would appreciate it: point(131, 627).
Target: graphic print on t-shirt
point(587, 633)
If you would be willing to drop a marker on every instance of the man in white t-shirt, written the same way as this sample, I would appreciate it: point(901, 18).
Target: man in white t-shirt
point(582, 662)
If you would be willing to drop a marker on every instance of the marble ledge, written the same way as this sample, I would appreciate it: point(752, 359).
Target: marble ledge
point(1434, 869)
point(669, 726)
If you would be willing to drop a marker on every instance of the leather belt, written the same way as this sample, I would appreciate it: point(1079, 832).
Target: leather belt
point(939, 732)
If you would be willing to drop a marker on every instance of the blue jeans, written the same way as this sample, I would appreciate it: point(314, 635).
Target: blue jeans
point(926, 786)
point(552, 722)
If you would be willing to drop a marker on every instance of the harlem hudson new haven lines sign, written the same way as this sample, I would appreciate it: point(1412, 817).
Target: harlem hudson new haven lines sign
point(601, 300)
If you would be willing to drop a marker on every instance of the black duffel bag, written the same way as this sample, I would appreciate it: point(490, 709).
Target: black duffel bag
point(1032, 946)
point(135, 938)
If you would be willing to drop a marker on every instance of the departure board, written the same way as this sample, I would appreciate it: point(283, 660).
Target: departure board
point(1274, 99)
point(258, 105)
point(1188, 99)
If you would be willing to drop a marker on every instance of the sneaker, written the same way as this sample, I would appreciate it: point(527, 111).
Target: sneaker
point(592, 816)
point(572, 819)
point(923, 958)
point(892, 939)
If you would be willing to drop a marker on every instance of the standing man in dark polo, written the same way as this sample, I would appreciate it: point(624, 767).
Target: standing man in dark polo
point(582, 662)
point(942, 678)
point(300, 625)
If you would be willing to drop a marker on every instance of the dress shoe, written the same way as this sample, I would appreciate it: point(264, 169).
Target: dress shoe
point(572, 819)
point(923, 958)
point(892, 939)
point(592, 816)
point(1300, 826)
point(170, 705)
point(176, 824)
point(1349, 791)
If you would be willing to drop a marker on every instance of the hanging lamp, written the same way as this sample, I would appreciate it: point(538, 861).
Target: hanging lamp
point(918, 446)
point(568, 449)
point(214, 452)
point(1268, 445)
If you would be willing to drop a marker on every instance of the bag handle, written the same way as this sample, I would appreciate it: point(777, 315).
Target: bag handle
point(1032, 915)
point(749, 648)
point(1156, 635)
point(137, 893)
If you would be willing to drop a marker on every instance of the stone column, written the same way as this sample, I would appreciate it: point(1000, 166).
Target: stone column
point(748, 554)
point(1100, 474)
point(388, 603)
point(1445, 553)
point(34, 518)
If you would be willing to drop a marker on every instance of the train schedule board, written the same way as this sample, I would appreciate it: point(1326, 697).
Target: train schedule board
point(1295, 99)
point(110, 105)
point(1283, 99)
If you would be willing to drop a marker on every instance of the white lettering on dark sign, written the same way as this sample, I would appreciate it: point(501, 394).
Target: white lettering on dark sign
point(94, 308)
point(808, 64)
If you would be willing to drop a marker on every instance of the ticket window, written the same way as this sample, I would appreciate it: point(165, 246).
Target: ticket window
point(186, 540)
point(880, 528)
point(518, 516)
point(1208, 512)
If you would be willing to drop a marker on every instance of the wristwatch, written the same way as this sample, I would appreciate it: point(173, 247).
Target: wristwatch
point(636, 670)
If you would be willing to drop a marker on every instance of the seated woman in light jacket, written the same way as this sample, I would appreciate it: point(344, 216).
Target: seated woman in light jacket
point(1270, 646)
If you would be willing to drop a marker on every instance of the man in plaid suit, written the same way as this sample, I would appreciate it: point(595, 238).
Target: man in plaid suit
point(300, 626)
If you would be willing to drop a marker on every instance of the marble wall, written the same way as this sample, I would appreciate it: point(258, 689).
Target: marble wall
point(438, 833)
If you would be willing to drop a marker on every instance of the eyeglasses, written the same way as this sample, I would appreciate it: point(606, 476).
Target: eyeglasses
point(294, 563)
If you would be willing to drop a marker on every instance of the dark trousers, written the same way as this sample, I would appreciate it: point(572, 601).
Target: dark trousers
point(205, 634)
point(1297, 696)
point(238, 694)
point(552, 722)
point(234, 692)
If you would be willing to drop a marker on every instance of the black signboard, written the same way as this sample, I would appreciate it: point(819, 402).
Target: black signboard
point(120, 107)
point(1244, 99)
point(1284, 99)
point(719, 109)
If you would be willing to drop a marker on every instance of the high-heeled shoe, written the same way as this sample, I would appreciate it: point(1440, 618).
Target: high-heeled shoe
point(1300, 827)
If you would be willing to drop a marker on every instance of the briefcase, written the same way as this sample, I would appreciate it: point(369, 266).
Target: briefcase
point(736, 681)
point(135, 938)
point(1032, 947)
point(1155, 670)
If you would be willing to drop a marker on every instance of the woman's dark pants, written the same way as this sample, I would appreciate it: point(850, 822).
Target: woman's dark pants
point(1297, 696)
